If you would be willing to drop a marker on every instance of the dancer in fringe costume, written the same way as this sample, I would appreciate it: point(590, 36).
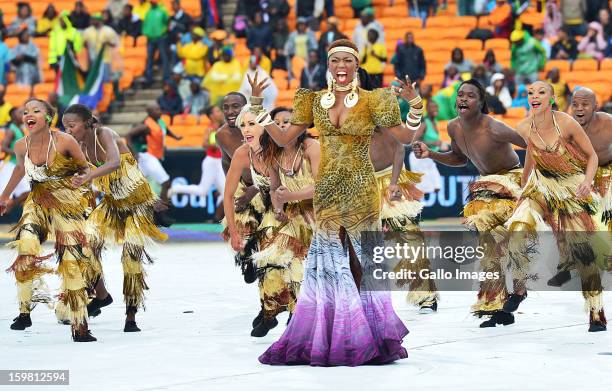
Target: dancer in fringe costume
point(249, 206)
point(558, 176)
point(55, 208)
point(487, 143)
point(341, 319)
point(400, 209)
point(255, 155)
point(125, 214)
point(597, 126)
point(286, 230)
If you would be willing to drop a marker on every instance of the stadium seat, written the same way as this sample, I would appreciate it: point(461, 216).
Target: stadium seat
point(470, 44)
point(585, 64)
point(606, 64)
point(562, 65)
point(497, 43)
point(516, 112)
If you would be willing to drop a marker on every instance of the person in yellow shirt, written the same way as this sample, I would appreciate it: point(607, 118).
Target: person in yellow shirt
point(5, 108)
point(224, 77)
point(373, 59)
point(47, 22)
point(194, 55)
point(98, 36)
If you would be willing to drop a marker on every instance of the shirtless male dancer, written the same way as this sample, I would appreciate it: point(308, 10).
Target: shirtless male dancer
point(487, 143)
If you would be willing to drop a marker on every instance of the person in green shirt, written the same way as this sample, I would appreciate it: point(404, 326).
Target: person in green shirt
point(155, 28)
point(12, 134)
point(528, 57)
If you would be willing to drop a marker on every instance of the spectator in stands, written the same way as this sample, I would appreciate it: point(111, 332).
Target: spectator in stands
point(129, 24)
point(494, 104)
point(259, 34)
point(500, 19)
point(528, 57)
point(409, 60)
point(420, 9)
point(521, 97)
point(374, 58)
point(4, 59)
point(194, 56)
point(309, 9)
point(183, 85)
point(62, 36)
point(197, 100)
point(538, 34)
point(100, 38)
point(180, 22)
point(155, 28)
point(490, 63)
point(332, 34)
point(509, 80)
point(24, 19)
point(248, 8)
point(280, 35)
point(465, 7)
point(5, 108)
point(451, 75)
point(552, 19)
point(359, 6)
point(116, 7)
point(499, 89)
point(79, 16)
point(142, 8)
point(218, 43)
point(264, 61)
point(277, 9)
point(560, 87)
point(108, 20)
point(170, 101)
point(48, 20)
point(593, 8)
point(300, 41)
point(604, 20)
point(224, 77)
point(269, 94)
point(367, 22)
point(480, 74)
point(573, 12)
point(24, 58)
point(566, 47)
point(459, 62)
point(147, 142)
point(593, 45)
point(313, 74)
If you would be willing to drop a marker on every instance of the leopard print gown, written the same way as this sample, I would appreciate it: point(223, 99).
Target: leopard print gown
point(334, 323)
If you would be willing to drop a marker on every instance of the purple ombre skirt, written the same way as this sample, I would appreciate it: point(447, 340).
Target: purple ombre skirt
point(333, 323)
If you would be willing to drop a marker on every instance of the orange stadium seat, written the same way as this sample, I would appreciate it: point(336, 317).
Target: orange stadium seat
point(454, 21)
point(585, 64)
point(438, 46)
point(434, 79)
point(470, 44)
point(343, 12)
point(397, 11)
point(606, 64)
point(435, 67)
point(563, 65)
point(516, 112)
point(497, 43)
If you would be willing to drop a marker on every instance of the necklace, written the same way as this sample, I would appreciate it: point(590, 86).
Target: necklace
point(289, 172)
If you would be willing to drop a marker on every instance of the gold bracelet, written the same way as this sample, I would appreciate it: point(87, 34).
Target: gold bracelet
point(416, 111)
point(415, 101)
point(256, 100)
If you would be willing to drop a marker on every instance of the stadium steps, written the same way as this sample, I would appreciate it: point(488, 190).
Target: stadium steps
point(228, 10)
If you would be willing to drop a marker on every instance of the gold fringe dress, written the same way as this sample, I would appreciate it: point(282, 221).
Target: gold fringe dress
point(54, 210)
point(284, 245)
point(603, 186)
point(125, 215)
point(402, 217)
point(549, 200)
point(491, 201)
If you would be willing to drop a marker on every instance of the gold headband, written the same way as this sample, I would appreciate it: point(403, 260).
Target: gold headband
point(344, 49)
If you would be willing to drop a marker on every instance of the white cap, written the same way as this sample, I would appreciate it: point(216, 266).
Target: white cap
point(496, 77)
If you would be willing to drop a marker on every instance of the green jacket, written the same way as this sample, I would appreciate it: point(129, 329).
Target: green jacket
point(155, 23)
point(59, 38)
point(528, 58)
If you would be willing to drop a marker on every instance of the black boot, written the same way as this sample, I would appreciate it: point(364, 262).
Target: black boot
point(93, 308)
point(513, 301)
point(499, 317)
point(21, 322)
point(263, 327)
point(163, 219)
point(258, 318)
point(599, 324)
point(560, 278)
point(249, 272)
point(130, 327)
point(428, 307)
point(82, 334)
